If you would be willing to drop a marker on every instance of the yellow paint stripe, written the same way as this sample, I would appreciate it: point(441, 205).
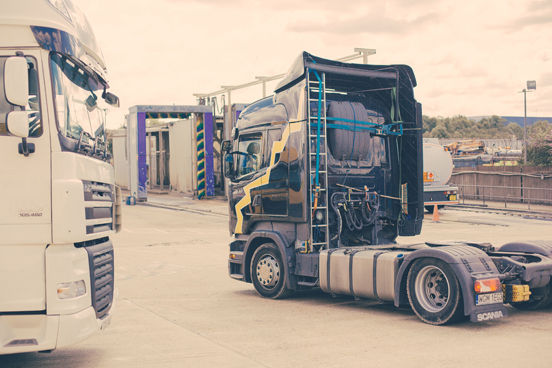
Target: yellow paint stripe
point(277, 147)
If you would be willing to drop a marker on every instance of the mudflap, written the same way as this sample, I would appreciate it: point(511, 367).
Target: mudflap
point(488, 312)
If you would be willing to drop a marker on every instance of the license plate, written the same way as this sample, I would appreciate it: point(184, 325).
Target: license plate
point(488, 299)
point(452, 197)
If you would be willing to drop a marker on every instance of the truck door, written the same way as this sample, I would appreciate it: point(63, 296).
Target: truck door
point(25, 208)
point(245, 199)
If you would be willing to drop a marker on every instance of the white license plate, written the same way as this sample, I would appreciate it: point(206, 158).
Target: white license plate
point(488, 299)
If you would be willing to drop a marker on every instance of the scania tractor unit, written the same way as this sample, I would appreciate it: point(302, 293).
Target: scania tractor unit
point(59, 204)
point(327, 173)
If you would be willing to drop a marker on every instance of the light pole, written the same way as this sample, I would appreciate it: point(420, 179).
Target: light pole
point(531, 86)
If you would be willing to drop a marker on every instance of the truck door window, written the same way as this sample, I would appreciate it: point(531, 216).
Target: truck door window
point(273, 135)
point(33, 105)
point(250, 157)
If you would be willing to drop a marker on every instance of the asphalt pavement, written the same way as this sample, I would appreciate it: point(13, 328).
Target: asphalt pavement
point(177, 306)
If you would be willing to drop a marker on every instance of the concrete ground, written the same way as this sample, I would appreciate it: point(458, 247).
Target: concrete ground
point(177, 307)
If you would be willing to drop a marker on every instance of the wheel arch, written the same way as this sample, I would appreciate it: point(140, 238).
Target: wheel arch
point(463, 260)
point(259, 238)
point(541, 247)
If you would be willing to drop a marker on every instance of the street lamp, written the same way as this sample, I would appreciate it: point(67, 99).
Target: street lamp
point(531, 86)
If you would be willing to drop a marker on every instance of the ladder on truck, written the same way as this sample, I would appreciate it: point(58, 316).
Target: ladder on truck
point(318, 160)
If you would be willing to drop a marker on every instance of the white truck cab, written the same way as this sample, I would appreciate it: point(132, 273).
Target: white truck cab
point(59, 204)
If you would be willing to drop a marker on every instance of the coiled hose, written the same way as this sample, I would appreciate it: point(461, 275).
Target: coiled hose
point(374, 203)
point(335, 203)
point(353, 222)
point(366, 218)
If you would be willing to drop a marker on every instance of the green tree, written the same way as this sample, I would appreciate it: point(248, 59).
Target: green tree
point(440, 131)
point(515, 130)
point(461, 127)
point(539, 144)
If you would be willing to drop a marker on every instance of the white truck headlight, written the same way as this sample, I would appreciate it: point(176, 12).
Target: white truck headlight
point(70, 290)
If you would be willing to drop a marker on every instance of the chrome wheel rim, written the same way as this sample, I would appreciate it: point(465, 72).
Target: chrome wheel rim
point(268, 271)
point(432, 289)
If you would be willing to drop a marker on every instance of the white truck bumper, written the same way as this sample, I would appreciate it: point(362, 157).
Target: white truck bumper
point(39, 332)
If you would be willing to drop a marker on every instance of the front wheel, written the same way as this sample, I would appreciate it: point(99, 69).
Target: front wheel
point(434, 292)
point(268, 273)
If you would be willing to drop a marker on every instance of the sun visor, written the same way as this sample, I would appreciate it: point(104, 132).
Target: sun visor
point(52, 39)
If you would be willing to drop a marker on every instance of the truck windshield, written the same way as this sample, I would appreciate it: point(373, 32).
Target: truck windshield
point(74, 97)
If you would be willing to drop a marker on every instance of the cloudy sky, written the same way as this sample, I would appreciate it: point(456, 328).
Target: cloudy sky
point(470, 57)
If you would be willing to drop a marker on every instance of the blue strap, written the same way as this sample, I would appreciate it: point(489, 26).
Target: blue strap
point(354, 131)
point(378, 129)
point(319, 125)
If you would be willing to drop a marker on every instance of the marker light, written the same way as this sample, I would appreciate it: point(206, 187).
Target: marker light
point(70, 290)
point(487, 286)
point(319, 215)
point(232, 256)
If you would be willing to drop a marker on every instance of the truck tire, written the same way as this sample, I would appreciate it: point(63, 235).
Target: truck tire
point(434, 292)
point(267, 272)
point(545, 294)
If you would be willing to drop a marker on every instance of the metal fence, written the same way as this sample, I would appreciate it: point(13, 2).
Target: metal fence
point(514, 184)
point(504, 194)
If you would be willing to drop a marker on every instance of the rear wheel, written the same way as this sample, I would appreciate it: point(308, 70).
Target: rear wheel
point(434, 292)
point(268, 273)
point(540, 298)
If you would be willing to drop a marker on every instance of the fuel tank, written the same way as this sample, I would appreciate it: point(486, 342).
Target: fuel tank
point(360, 272)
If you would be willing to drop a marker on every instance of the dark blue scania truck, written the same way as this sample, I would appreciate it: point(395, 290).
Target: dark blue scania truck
point(327, 172)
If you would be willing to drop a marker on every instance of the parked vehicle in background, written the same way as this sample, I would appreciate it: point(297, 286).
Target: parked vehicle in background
point(465, 147)
point(437, 173)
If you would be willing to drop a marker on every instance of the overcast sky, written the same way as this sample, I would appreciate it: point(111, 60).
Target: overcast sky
point(470, 57)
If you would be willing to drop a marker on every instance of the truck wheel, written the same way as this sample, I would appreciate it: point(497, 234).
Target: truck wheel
point(434, 292)
point(545, 294)
point(267, 272)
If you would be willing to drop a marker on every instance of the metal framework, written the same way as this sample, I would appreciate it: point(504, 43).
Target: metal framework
point(359, 53)
point(136, 143)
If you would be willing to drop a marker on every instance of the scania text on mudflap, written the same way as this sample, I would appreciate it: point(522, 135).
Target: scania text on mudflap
point(327, 172)
point(59, 204)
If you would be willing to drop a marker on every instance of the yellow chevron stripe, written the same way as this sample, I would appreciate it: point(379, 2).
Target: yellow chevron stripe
point(277, 147)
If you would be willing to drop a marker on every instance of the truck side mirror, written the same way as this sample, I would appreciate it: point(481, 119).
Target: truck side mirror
point(16, 81)
point(111, 99)
point(229, 166)
point(226, 146)
point(18, 124)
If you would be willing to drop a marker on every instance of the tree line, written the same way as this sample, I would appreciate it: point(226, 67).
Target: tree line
point(462, 127)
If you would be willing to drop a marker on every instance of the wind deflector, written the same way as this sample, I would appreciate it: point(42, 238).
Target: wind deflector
point(295, 73)
point(305, 60)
